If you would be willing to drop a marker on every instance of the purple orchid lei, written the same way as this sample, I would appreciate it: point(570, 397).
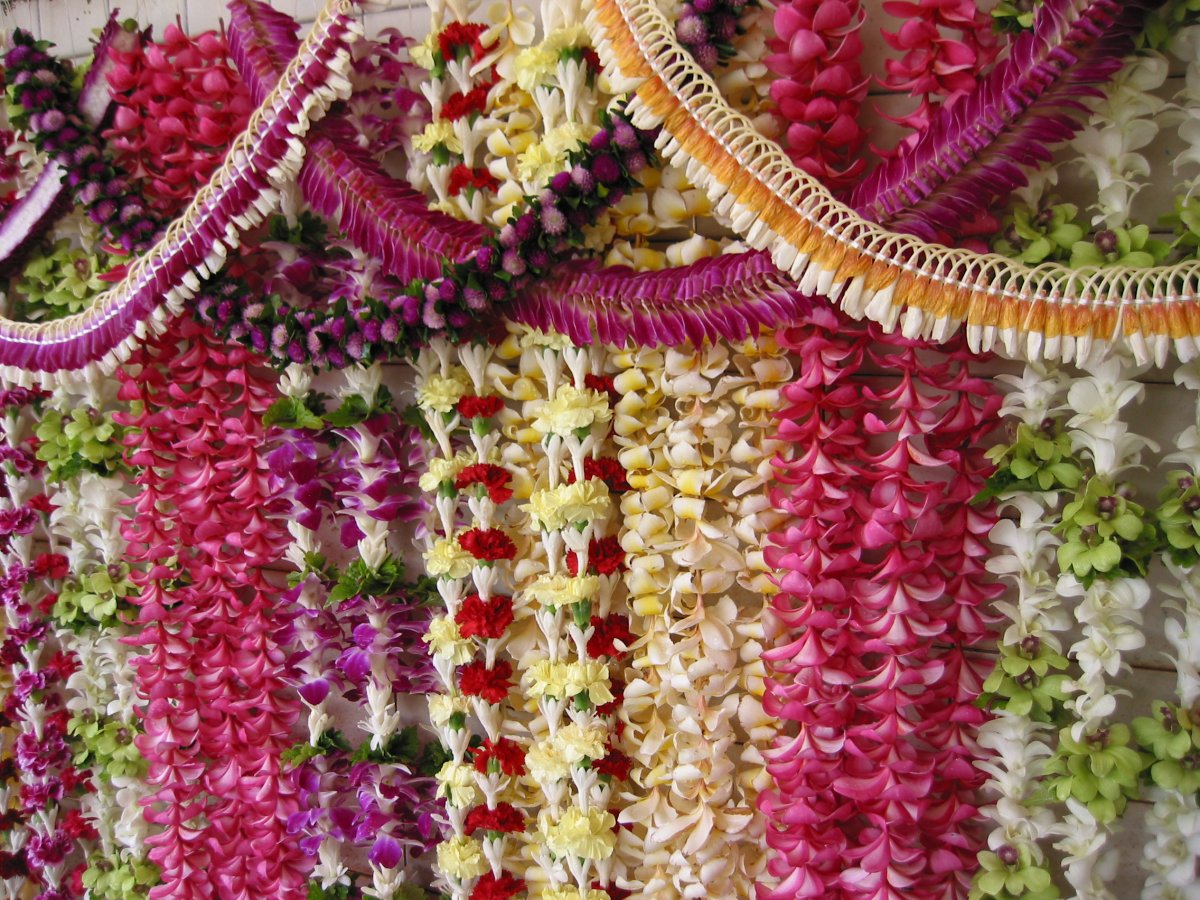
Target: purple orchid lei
point(356, 638)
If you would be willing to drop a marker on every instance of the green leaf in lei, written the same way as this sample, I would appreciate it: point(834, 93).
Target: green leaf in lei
point(1100, 771)
point(1129, 247)
point(1105, 534)
point(330, 741)
point(1172, 741)
point(1178, 517)
point(1011, 873)
point(359, 579)
point(1027, 681)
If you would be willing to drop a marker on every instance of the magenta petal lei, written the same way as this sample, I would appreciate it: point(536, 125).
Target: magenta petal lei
point(880, 572)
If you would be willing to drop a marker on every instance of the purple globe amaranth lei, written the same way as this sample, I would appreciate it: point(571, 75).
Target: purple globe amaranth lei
point(45, 110)
point(367, 328)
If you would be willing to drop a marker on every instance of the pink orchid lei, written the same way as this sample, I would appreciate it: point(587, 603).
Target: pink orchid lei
point(357, 632)
point(41, 828)
point(691, 425)
point(878, 563)
point(217, 717)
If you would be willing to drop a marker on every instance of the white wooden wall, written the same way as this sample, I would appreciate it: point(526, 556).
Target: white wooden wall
point(1165, 411)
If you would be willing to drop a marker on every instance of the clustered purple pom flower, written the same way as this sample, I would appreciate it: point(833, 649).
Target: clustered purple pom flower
point(707, 28)
point(46, 104)
point(352, 327)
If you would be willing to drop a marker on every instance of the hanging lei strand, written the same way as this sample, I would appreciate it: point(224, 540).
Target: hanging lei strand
point(1171, 735)
point(203, 526)
point(41, 830)
point(82, 449)
point(566, 674)
point(1026, 690)
point(450, 396)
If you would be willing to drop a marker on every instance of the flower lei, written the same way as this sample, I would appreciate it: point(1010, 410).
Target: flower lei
point(216, 718)
point(40, 89)
point(81, 449)
point(878, 563)
point(474, 572)
point(41, 828)
point(698, 469)
point(357, 630)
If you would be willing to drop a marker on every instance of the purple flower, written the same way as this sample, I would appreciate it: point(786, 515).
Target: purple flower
point(599, 140)
point(458, 318)
point(606, 169)
point(508, 236)
point(513, 263)
point(583, 179)
point(561, 183)
point(724, 27)
point(314, 692)
point(690, 29)
point(485, 257)
point(634, 162)
point(624, 136)
point(527, 227)
point(431, 317)
point(706, 56)
point(476, 299)
point(385, 852)
point(553, 221)
point(390, 330)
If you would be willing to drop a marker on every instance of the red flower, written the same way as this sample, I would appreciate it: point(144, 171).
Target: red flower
point(458, 105)
point(616, 765)
point(487, 545)
point(489, 887)
point(614, 892)
point(64, 664)
point(46, 604)
point(41, 503)
point(477, 680)
point(461, 36)
point(75, 825)
point(475, 618)
point(618, 691)
point(494, 478)
point(613, 628)
point(505, 817)
point(507, 754)
point(602, 383)
point(605, 557)
point(608, 470)
point(472, 407)
point(463, 177)
point(51, 565)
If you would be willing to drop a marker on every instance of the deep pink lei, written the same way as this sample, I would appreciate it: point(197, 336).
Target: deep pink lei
point(217, 714)
point(881, 576)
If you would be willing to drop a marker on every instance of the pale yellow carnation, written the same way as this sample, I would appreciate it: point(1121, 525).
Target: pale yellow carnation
point(456, 782)
point(590, 677)
point(535, 337)
point(534, 66)
point(443, 706)
point(440, 393)
point(562, 590)
point(445, 469)
point(422, 53)
point(546, 679)
point(574, 742)
point(570, 892)
point(538, 163)
point(446, 641)
point(435, 133)
point(568, 137)
point(446, 559)
point(586, 834)
point(461, 857)
point(567, 38)
point(546, 764)
point(572, 408)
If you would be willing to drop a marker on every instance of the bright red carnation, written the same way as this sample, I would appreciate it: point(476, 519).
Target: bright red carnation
point(461, 36)
point(605, 557)
point(472, 407)
point(616, 765)
point(505, 818)
point(476, 618)
point(602, 383)
point(610, 629)
point(488, 545)
point(494, 478)
point(489, 887)
point(51, 565)
point(507, 754)
point(476, 680)
point(459, 105)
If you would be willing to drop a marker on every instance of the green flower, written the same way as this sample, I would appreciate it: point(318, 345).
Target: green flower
point(83, 440)
point(97, 599)
point(1178, 516)
point(1171, 738)
point(1026, 681)
point(1039, 459)
point(1100, 771)
point(1129, 247)
point(1104, 534)
point(107, 746)
point(61, 282)
point(1036, 236)
point(1009, 873)
point(1014, 16)
point(112, 878)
